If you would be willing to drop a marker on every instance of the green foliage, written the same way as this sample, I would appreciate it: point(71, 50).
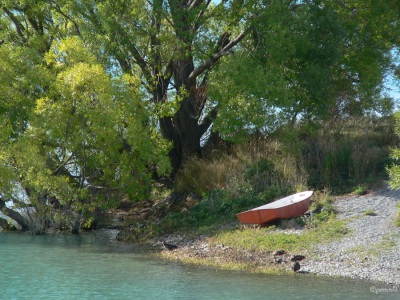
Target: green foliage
point(214, 209)
point(369, 212)
point(397, 220)
point(361, 190)
point(394, 169)
point(240, 113)
point(307, 61)
point(22, 77)
point(82, 139)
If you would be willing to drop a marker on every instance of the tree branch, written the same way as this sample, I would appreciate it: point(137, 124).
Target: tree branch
point(35, 25)
point(13, 214)
point(18, 25)
point(195, 3)
point(217, 56)
point(58, 9)
point(197, 24)
point(62, 164)
point(140, 62)
point(208, 120)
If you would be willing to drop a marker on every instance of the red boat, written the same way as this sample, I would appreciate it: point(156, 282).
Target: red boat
point(285, 208)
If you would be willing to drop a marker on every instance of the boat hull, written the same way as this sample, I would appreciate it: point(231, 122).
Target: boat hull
point(288, 207)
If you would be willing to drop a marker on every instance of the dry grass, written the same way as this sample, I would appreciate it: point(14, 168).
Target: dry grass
point(227, 171)
point(340, 156)
point(344, 154)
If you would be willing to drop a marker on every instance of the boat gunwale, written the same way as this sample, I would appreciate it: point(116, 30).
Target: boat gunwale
point(281, 203)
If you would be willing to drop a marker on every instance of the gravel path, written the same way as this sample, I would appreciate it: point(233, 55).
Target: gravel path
point(372, 249)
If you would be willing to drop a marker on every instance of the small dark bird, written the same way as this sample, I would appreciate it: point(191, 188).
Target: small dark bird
point(169, 246)
point(296, 266)
point(1, 42)
point(297, 258)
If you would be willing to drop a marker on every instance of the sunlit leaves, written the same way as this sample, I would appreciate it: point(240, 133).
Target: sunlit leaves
point(86, 138)
point(22, 79)
point(95, 124)
point(68, 52)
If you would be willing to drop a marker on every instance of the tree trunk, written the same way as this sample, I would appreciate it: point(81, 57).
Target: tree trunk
point(13, 215)
point(184, 131)
point(5, 225)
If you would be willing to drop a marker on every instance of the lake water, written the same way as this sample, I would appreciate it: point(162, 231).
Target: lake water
point(95, 266)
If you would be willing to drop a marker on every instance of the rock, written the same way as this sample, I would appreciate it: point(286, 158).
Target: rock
point(278, 260)
point(279, 252)
point(169, 246)
point(296, 266)
point(297, 258)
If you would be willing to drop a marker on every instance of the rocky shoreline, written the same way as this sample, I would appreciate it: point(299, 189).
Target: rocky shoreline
point(370, 251)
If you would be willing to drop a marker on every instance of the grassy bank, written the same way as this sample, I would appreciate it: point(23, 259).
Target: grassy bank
point(238, 247)
point(345, 157)
point(252, 249)
point(269, 239)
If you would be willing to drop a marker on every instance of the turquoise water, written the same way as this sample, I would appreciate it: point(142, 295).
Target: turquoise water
point(95, 266)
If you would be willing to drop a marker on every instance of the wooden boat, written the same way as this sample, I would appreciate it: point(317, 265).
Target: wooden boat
point(288, 207)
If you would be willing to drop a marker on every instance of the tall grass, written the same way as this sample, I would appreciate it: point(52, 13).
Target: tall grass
point(250, 174)
point(339, 156)
point(346, 154)
point(250, 167)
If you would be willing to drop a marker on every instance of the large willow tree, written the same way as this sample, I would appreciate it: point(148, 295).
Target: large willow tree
point(173, 45)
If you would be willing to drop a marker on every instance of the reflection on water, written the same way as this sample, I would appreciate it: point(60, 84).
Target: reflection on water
point(95, 266)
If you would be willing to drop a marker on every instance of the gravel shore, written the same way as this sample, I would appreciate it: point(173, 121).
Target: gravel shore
point(370, 251)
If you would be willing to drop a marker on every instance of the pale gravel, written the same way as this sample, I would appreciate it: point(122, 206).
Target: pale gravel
point(372, 249)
